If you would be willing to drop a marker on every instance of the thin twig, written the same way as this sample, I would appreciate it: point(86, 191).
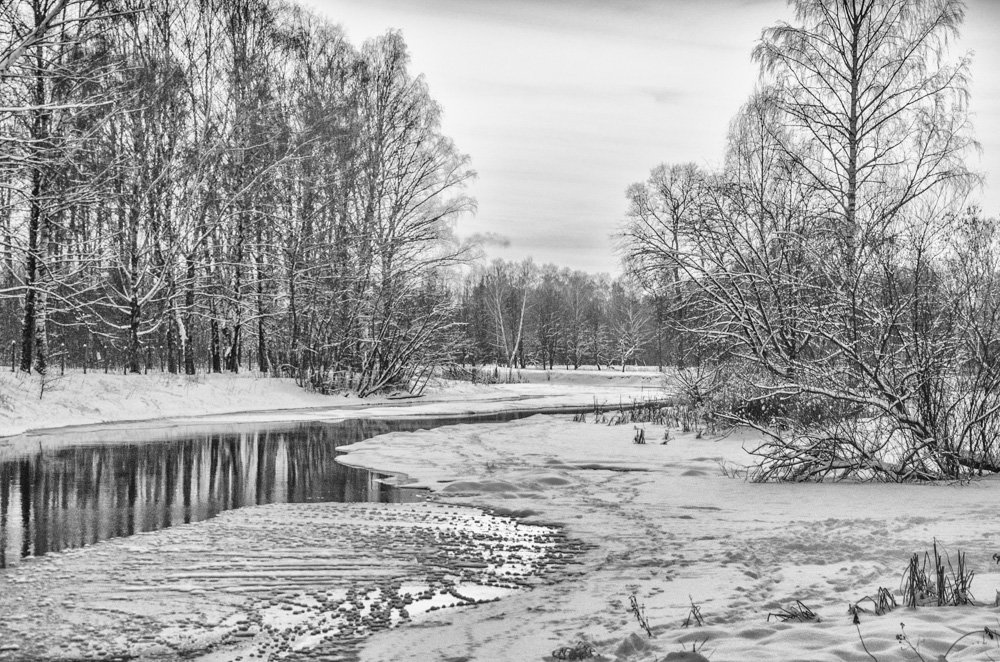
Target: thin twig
point(902, 638)
point(992, 634)
point(863, 642)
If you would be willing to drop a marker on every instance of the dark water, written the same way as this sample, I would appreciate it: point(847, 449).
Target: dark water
point(77, 495)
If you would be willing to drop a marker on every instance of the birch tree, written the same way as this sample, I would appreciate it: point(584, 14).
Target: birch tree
point(49, 77)
point(214, 181)
point(409, 190)
point(508, 293)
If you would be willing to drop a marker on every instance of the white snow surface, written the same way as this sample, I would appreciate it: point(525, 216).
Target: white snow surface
point(671, 528)
point(29, 403)
point(665, 524)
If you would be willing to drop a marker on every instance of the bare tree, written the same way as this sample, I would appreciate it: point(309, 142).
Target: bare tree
point(579, 291)
point(818, 262)
point(508, 293)
point(548, 313)
point(875, 120)
point(628, 320)
point(659, 213)
point(222, 181)
point(51, 74)
point(19, 44)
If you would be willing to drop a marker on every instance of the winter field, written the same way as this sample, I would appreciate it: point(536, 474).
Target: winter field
point(597, 519)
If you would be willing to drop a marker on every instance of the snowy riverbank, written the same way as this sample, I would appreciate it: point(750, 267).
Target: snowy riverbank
point(78, 399)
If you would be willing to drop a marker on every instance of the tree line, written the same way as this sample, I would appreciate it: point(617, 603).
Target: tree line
point(519, 314)
point(220, 185)
point(838, 290)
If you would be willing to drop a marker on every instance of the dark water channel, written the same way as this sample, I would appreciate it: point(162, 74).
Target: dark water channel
point(130, 482)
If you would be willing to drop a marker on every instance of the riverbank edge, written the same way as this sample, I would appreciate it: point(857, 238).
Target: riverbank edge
point(76, 400)
point(81, 403)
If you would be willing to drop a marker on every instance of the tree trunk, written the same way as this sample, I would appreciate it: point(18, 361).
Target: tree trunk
point(134, 349)
point(189, 368)
point(262, 361)
point(8, 237)
point(171, 350)
point(31, 270)
point(293, 319)
point(33, 303)
point(235, 354)
point(215, 346)
point(41, 334)
point(235, 348)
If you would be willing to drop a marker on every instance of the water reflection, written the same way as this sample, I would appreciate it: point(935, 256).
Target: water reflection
point(69, 497)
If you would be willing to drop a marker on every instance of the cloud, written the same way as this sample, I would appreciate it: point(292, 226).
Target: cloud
point(484, 239)
point(665, 95)
point(562, 103)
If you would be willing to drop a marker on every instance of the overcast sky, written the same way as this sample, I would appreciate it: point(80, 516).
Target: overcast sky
point(562, 103)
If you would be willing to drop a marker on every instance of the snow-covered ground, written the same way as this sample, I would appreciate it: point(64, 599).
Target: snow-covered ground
point(671, 528)
point(26, 403)
point(664, 523)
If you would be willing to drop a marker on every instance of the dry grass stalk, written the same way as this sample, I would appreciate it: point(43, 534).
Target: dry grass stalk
point(694, 616)
point(881, 603)
point(797, 612)
point(657, 412)
point(640, 614)
point(930, 583)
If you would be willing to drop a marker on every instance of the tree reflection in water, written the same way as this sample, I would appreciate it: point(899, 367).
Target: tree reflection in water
point(78, 495)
